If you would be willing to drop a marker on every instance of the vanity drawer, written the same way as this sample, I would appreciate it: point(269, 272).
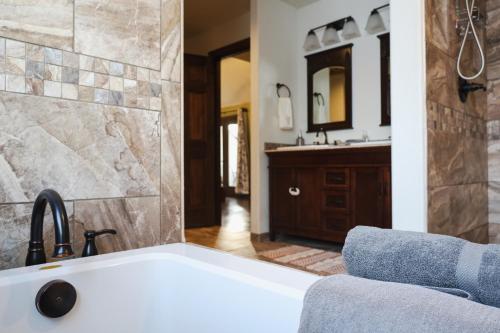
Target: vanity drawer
point(335, 222)
point(336, 178)
point(336, 201)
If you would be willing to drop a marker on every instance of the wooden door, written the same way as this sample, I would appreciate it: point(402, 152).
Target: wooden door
point(282, 203)
point(308, 202)
point(367, 196)
point(199, 144)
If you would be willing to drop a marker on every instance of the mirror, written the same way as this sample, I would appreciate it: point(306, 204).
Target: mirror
point(330, 89)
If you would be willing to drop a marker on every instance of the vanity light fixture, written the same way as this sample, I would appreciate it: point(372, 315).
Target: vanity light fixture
point(312, 41)
point(375, 23)
point(331, 35)
point(350, 30)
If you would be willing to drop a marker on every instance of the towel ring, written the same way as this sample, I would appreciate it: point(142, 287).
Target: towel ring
point(281, 85)
point(318, 96)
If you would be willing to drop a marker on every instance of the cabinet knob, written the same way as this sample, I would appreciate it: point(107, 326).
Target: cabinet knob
point(294, 191)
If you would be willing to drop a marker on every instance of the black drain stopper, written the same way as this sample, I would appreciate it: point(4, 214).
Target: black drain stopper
point(55, 299)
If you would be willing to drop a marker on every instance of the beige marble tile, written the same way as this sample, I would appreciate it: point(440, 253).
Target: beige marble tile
point(130, 72)
point(70, 91)
point(52, 73)
point(116, 69)
point(2, 47)
point(34, 86)
point(87, 63)
point(71, 60)
point(52, 88)
point(44, 22)
point(494, 202)
point(86, 94)
point(494, 233)
point(101, 96)
point(70, 75)
point(86, 78)
point(35, 70)
point(171, 40)
point(82, 150)
point(15, 222)
point(53, 56)
point(455, 210)
point(136, 220)
point(15, 83)
point(15, 49)
point(142, 74)
point(101, 81)
point(2, 81)
point(171, 208)
point(102, 66)
point(35, 52)
point(130, 35)
point(115, 83)
point(15, 66)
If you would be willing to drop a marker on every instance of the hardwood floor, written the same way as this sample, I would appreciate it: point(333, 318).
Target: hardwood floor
point(234, 234)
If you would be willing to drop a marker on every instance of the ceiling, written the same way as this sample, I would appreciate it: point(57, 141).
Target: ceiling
point(299, 3)
point(201, 15)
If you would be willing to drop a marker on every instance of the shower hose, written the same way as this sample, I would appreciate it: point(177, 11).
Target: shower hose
point(470, 26)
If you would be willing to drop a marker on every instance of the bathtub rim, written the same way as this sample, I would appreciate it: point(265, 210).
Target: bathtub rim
point(260, 274)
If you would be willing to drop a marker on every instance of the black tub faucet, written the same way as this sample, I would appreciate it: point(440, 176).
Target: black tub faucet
point(62, 247)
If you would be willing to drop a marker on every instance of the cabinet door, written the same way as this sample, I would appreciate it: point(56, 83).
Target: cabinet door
point(309, 200)
point(282, 203)
point(367, 196)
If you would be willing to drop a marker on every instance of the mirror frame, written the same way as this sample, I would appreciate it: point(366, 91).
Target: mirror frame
point(318, 61)
point(385, 79)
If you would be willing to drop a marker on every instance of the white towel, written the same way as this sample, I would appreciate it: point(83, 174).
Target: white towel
point(321, 115)
point(285, 113)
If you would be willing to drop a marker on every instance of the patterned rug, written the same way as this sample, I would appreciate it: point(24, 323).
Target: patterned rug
point(305, 258)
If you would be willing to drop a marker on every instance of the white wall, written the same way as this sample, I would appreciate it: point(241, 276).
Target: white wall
point(409, 129)
point(272, 48)
point(365, 66)
point(235, 82)
point(219, 36)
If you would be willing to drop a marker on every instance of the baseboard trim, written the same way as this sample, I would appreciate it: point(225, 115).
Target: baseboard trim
point(259, 237)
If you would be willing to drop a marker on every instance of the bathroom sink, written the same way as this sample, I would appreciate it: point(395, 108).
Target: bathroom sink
point(370, 143)
point(307, 147)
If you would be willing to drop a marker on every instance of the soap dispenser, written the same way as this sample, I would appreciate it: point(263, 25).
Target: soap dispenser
point(90, 249)
point(300, 140)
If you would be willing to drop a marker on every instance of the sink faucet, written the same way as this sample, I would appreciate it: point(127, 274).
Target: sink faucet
point(324, 134)
point(62, 248)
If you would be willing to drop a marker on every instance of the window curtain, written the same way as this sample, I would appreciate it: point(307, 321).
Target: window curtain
point(243, 166)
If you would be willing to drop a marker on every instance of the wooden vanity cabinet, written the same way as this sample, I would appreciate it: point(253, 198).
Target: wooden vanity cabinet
point(323, 194)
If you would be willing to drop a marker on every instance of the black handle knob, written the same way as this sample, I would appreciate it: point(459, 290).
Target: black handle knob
point(90, 249)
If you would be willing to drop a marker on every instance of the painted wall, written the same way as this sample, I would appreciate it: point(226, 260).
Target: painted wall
point(235, 82)
point(219, 36)
point(456, 133)
point(93, 111)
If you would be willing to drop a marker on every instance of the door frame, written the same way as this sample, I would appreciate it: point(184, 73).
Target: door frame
point(214, 60)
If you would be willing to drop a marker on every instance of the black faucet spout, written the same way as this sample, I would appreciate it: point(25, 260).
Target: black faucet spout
point(62, 248)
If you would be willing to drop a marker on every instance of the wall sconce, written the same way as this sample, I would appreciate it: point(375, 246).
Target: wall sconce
point(312, 41)
point(350, 30)
point(331, 33)
point(375, 23)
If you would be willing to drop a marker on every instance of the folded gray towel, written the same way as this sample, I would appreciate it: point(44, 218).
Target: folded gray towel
point(343, 303)
point(426, 260)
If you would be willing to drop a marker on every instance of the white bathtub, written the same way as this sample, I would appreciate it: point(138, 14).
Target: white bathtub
point(172, 289)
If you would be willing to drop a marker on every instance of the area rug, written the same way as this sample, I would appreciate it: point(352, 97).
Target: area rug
point(306, 258)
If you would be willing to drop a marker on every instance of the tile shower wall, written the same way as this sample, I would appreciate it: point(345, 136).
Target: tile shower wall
point(457, 133)
point(493, 73)
point(90, 106)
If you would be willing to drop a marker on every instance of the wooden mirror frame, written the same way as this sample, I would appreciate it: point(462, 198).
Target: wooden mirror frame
point(340, 56)
point(385, 79)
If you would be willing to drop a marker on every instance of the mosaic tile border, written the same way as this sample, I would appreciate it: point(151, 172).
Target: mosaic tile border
point(43, 71)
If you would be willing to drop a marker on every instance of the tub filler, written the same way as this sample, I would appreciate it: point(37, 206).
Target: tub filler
point(177, 288)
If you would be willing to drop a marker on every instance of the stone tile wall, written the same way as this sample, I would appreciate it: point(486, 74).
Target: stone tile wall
point(457, 133)
point(493, 73)
point(90, 107)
